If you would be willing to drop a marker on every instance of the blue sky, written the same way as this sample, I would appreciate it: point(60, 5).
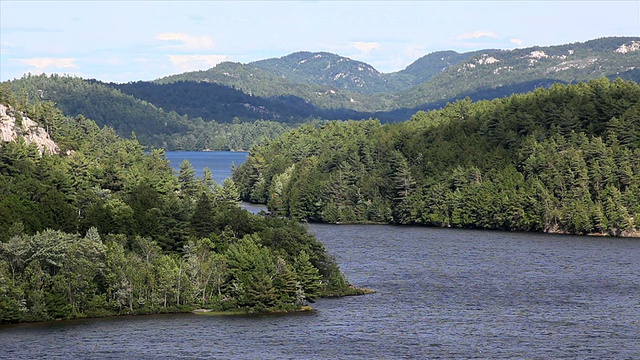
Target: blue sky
point(125, 41)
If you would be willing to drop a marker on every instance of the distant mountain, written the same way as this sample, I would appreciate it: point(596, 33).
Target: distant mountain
point(332, 81)
point(429, 66)
point(338, 72)
point(328, 70)
point(304, 85)
point(496, 69)
point(323, 79)
point(259, 82)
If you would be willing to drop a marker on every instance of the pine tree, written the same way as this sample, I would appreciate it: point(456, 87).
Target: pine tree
point(307, 275)
point(187, 179)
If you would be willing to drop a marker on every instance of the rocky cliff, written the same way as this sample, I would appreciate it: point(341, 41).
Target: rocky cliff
point(13, 127)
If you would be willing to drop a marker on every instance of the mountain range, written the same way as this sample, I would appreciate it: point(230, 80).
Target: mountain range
point(331, 81)
point(309, 85)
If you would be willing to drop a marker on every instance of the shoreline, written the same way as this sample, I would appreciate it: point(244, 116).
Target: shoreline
point(352, 291)
point(626, 234)
point(241, 312)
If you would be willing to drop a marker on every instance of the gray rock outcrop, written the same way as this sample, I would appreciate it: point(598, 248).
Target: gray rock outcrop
point(11, 129)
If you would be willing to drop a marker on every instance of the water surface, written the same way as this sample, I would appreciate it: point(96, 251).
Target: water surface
point(442, 293)
point(219, 162)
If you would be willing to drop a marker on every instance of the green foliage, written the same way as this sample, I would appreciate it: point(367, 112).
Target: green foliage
point(329, 81)
point(106, 228)
point(157, 124)
point(252, 270)
point(234, 106)
point(309, 278)
point(562, 159)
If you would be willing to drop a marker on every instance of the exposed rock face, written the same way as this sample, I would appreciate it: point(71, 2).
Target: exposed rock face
point(11, 129)
point(629, 47)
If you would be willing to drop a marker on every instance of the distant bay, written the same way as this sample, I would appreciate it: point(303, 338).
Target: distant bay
point(219, 162)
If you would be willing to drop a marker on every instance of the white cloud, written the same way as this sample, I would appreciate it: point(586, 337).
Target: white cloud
point(415, 51)
point(42, 64)
point(196, 62)
point(6, 45)
point(186, 41)
point(486, 39)
point(477, 35)
point(365, 46)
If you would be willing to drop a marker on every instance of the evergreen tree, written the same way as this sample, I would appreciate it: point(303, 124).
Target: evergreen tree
point(187, 179)
point(307, 275)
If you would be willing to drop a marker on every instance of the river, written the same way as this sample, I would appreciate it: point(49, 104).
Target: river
point(441, 293)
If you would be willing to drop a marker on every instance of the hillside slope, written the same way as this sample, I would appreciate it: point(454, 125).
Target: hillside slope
point(153, 125)
point(563, 159)
point(259, 82)
point(328, 70)
point(330, 81)
point(571, 63)
point(106, 106)
point(176, 111)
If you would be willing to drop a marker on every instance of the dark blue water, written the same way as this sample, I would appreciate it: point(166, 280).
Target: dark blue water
point(441, 294)
point(219, 162)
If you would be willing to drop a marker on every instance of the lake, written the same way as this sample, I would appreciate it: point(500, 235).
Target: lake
point(219, 162)
point(441, 293)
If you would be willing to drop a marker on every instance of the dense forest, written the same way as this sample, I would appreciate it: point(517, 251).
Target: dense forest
point(153, 125)
point(264, 83)
point(330, 81)
point(233, 106)
point(527, 67)
point(103, 227)
point(563, 159)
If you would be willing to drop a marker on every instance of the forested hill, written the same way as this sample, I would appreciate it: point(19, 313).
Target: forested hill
point(106, 106)
point(101, 227)
point(225, 104)
point(533, 67)
point(328, 70)
point(233, 106)
point(264, 83)
point(563, 159)
point(154, 124)
point(331, 81)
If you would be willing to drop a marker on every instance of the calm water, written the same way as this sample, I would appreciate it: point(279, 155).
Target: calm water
point(219, 162)
point(442, 293)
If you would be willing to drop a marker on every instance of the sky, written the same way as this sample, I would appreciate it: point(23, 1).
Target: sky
point(123, 41)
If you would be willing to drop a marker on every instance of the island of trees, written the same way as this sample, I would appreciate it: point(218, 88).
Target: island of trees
point(103, 227)
point(564, 159)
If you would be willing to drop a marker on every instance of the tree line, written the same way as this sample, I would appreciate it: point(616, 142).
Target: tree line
point(105, 227)
point(563, 159)
point(200, 117)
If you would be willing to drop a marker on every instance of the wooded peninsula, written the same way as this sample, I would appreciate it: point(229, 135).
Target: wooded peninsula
point(564, 159)
point(98, 226)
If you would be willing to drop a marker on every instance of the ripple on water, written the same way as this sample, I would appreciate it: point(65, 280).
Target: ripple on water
point(441, 293)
